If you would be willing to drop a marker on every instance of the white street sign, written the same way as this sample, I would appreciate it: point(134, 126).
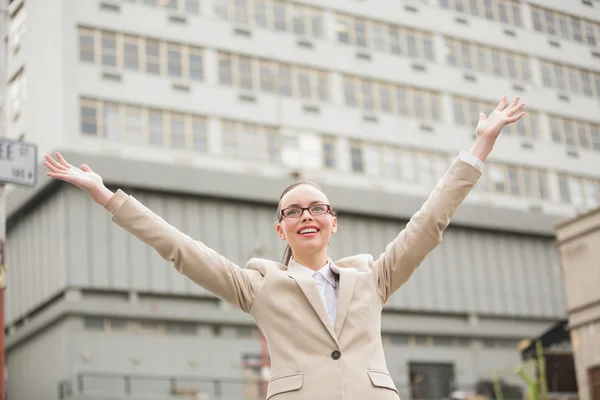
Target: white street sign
point(18, 162)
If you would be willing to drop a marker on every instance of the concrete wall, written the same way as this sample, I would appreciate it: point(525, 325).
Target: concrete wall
point(578, 244)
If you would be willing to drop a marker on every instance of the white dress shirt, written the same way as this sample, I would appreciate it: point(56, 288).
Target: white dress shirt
point(325, 278)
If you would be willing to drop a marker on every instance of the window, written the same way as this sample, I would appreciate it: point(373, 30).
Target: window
point(89, 117)
point(277, 15)
point(143, 126)
point(174, 65)
point(575, 133)
point(570, 79)
point(487, 60)
point(177, 131)
point(267, 76)
point(329, 150)
point(131, 53)
point(250, 141)
point(199, 134)
point(155, 128)
point(356, 157)
point(17, 93)
point(110, 122)
point(86, 45)
point(583, 193)
point(380, 36)
point(16, 30)
point(377, 96)
point(195, 63)
point(151, 56)
point(133, 125)
point(109, 49)
point(504, 11)
point(567, 26)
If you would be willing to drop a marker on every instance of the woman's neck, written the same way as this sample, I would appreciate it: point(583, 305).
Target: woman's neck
point(314, 261)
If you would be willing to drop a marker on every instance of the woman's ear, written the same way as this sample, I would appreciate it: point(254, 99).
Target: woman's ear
point(280, 231)
point(334, 225)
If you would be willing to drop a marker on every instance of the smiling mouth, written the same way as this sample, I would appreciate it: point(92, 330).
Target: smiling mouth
point(308, 231)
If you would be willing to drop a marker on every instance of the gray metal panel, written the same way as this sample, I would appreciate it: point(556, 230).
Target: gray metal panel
point(35, 256)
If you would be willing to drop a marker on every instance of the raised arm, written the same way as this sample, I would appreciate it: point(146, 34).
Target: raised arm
point(424, 230)
point(191, 258)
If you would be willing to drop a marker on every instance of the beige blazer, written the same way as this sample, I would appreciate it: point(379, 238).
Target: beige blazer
point(310, 359)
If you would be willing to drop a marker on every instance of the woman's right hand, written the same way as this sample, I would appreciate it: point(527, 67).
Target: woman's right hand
point(82, 177)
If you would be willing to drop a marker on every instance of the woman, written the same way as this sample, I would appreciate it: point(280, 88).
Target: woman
point(321, 319)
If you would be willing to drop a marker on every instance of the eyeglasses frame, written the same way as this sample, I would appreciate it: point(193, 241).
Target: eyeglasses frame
point(328, 206)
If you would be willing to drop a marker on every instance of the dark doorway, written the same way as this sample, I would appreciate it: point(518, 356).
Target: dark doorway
point(594, 377)
point(431, 381)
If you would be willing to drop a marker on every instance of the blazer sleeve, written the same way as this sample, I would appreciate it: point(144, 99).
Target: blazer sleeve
point(190, 258)
point(424, 230)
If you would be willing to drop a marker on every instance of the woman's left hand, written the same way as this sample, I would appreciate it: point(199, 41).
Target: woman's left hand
point(489, 128)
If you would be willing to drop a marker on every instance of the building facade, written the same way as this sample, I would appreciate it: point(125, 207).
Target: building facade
point(577, 240)
point(206, 109)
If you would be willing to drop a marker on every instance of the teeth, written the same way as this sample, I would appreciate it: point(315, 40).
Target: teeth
point(308, 230)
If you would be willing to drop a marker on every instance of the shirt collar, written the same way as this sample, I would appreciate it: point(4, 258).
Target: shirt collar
point(324, 271)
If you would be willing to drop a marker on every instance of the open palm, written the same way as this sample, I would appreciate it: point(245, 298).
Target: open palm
point(82, 177)
point(490, 127)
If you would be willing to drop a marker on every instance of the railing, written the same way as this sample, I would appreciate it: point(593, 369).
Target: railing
point(93, 384)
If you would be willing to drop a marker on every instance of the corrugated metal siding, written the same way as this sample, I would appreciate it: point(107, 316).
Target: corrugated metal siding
point(35, 256)
point(471, 271)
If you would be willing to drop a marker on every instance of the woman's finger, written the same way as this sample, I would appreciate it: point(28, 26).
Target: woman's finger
point(516, 117)
point(514, 102)
point(514, 109)
point(53, 162)
point(502, 104)
point(62, 160)
point(54, 168)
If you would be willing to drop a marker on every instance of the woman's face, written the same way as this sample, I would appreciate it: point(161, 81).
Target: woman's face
point(306, 232)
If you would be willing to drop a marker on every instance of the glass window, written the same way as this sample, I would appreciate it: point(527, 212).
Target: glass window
point(342, 28)
point(329, 150)
point(298, 20)
point(86, 45)
point(153, 57)
point(221, 9)
point(267, 77)
point(229, 137)
point(131, 52)
point(195, 64)
point(356, 157)
point(111, 122)
point(285, 80)
point(192, 6)
point(109, 49)
point(177, 131)
point(280, 17)
point(89, 118)
point(155, 128)
point(245, 70)
point(350, 92)
point(133, 125)
point(408, 166)
point(225, 69)
point(241, 11)
point(261, 13)
point(174, 61)
point(199, 134)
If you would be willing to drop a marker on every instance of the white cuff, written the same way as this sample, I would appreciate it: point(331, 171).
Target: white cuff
point(472, 160)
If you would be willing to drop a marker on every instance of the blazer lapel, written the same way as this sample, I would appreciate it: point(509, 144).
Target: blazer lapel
point(345, 292)
point(309, 287)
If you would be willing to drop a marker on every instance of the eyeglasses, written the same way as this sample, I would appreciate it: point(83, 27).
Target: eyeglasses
point(296, 212)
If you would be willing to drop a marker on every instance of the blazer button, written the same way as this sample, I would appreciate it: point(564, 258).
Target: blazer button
point(336, 355)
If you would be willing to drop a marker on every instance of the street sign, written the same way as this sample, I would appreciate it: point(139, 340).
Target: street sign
point(18, 162)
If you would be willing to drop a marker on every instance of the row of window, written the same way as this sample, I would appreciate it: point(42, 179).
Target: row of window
point(372, 95)
point(143, 126)
point(575, 133)
point(570, 79)
point(276, 15)
point(251, 73)
point(17, 93)
point(505, 11)
point(488, 60)
point(117, 325)
point(583, 193)
point(466, 113)
point(567, 26)
point(188, 6)
point(157, 57)
point(384, 37)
